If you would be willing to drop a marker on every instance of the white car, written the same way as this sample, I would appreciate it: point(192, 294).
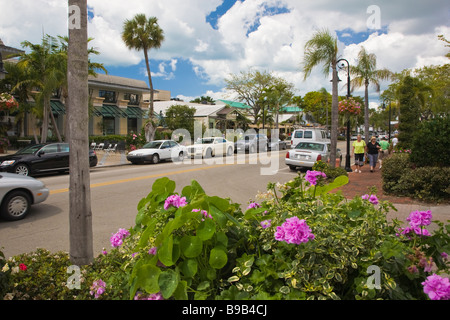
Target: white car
point(18, 193)
point(156, 151)
point(305, 154)
point(210, 147)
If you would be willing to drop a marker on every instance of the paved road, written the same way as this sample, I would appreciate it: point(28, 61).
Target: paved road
point(116, 191)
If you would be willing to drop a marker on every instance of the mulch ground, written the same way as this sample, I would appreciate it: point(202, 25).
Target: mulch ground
point(360, 184)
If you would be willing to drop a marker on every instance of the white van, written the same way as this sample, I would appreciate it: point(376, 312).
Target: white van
point(308, 134)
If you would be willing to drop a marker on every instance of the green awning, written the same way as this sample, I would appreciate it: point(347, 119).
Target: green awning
point(135, 113)
point(109, 111)
point(57, 107)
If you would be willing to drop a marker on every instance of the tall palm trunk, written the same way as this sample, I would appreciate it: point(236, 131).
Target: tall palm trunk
point(80, 215)
point(150, 128)
point(334, 114)
point(366, 112)
point(45, 115)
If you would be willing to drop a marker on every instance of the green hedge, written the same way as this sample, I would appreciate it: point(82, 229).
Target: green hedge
point(400, 177)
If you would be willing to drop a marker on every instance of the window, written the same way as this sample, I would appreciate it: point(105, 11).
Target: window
point(308, 134)
point(298, 134)
point(64, 147)
point(110, 96)
point(133, 98)
point(52, 148)
point(109, 125)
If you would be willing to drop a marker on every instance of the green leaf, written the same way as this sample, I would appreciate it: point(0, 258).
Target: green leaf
point(189, 268)
point(206, 229)
point(181, 291)
point(222, 238)
point(338, 182)
point(146, 278)
point(191, 246)
point(165, 252)
point(203, 285)
point(218, 258)
point(163, 185)
point(168, 282)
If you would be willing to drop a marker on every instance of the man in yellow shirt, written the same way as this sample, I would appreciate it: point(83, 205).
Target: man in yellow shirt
point(358, 149)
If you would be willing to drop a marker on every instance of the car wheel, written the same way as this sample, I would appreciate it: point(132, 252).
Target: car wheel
point(208, 153)
point(293, 168)
point(230, 151)
point(155, 158)
point(22, 169)
point(252, 149)
point(16, 205)
point(181, 156)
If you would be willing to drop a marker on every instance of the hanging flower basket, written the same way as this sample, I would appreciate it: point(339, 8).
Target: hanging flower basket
point(349, 107)
point(8, 103)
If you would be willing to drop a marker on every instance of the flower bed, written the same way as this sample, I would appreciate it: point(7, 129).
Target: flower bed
point(300, 242)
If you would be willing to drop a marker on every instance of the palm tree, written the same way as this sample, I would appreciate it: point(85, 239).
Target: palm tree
point(363, 74)
point(45, 66)
point(322, 49)
point(80, 214)
point(144, 34)
point(92, 71)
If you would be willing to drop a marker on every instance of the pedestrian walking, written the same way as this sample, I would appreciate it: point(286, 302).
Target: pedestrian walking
point(395, 140)
point(384, 144)
point(372, 149)
point(358, 148)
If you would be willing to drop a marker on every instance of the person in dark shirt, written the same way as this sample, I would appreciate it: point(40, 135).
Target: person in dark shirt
point(372, 149)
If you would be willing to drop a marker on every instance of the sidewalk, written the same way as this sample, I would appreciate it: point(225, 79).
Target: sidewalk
point(360, 184)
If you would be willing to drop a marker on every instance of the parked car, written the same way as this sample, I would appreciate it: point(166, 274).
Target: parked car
point(308, 134)
point(210, 147)
point(277, 144)
point(41, 158)
point(157, 150)
point(305, 154)
point(18, 193)
point(252, 143)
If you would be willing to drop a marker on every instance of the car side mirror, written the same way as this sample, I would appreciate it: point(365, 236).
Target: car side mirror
point(40, 153)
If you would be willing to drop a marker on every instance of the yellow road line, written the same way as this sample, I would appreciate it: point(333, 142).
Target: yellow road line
point(103, 184)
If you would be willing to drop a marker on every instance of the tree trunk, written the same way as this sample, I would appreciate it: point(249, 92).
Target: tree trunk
point(149, 127)
point(45, 118)
point(55, 125)
point(334, 116)
point(80, 215)
point(366, 113)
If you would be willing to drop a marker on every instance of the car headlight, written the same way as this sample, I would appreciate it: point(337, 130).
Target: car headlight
point(8, 162)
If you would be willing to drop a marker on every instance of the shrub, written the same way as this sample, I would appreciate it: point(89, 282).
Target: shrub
point(425, 183)
point(392, 170)
point(430, 143)
point(332, 173)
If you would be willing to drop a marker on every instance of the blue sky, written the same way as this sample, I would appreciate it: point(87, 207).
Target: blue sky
point(207, 40)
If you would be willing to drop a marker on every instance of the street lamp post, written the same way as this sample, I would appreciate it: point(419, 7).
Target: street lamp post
point(347, 156)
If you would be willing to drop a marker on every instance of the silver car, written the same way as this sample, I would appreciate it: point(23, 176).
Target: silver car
point(305, 154)
point(18, 193)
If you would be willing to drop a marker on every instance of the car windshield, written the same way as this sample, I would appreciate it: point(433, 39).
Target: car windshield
point(204, 141)
point(153, 145)
point(310, 146)
point(30, 149)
